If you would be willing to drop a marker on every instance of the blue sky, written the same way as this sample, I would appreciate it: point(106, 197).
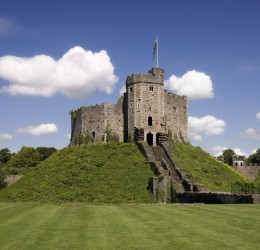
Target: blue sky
point(59, 55)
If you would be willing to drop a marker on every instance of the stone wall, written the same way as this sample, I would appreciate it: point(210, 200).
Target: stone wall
point(145, 102)
point(248, 171)
point(115, 118)
point(11, 179)
point(176, 114)
point(216, 198)
point(94, 120)
point(152, 108)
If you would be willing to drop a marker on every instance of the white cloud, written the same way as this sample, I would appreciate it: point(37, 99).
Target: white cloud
point(122, 90)
point(253, 151)
point(194, 84)
point(77, 74)
point(197, 137)
point(258, 116)
point(239, 152)
point(42, 129)
point(5, 137)
point(7, 26)
point(253, 133)
point(208, 125)
point(219, 148)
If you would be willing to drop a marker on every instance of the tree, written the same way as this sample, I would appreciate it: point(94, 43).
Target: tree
point(46, 152)
point(25, 159)
point(2, 179)
point(5, 155)
point(254, 158)
point(227, 156)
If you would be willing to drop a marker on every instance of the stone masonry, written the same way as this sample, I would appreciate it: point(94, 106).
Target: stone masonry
point(146, 112)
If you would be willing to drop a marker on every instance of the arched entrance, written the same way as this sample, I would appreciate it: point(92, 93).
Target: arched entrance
point(149, 139)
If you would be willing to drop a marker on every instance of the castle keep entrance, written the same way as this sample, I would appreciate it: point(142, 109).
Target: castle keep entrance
point(149, 139)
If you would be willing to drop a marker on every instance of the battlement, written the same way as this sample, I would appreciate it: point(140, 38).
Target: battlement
point(179, 97)
point(155, 75)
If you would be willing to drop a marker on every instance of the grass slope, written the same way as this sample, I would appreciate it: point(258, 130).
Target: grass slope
point(102, 173)
point(35, 226)
point(205, 169)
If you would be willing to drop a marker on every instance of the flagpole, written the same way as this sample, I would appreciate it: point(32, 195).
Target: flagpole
point(157, 51)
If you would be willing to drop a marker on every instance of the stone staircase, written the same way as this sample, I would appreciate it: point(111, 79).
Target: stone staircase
point(162, 160)
point(166, 166)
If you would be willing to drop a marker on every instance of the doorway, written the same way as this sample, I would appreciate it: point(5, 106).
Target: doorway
point(149, 139)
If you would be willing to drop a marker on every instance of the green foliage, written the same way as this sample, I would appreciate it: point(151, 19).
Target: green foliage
point(111, 136)
point(26, 159)
point(204, 168)
point(245, 188)
point(227, 155)
point(170, 134)
point(2, 179)
point(5, 155)
point(73, 114)
point(101, 173)
point(46, 152)
point(254, 158)
point(84, 138)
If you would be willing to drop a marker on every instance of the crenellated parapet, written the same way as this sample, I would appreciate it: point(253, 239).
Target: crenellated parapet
point(155, 76)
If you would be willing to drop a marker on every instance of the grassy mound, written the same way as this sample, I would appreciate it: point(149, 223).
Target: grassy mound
point(204, 168)
point(102, 173)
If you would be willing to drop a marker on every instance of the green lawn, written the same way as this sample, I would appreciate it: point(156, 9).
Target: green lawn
point(36, 226)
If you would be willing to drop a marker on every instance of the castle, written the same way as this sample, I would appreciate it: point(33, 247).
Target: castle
point(146, 112)
point(239, 163)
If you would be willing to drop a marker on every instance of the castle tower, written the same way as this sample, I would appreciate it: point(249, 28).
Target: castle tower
point(146, 112)
point(145, 105)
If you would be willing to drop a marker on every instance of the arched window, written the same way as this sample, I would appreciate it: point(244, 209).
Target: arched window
point(93, 134)
point(236, 164)
point(241, 164)
point(150, 121)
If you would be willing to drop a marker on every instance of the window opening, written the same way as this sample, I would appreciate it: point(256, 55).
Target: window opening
point(150, 121)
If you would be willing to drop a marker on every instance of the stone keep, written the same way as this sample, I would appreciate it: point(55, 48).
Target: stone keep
point(146, 112)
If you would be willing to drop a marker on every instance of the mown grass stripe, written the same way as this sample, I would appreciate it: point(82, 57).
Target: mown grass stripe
point(37, 226)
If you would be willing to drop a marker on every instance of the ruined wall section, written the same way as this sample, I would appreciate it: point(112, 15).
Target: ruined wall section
point(94, 120)
point(88, 120)
point(114, 114)
point(176, 114)
point(76, 124)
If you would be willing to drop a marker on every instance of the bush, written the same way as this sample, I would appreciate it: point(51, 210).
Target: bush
point(26, 159)
point(2, 179)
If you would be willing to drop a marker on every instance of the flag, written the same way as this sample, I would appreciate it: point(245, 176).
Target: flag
point(155, 48)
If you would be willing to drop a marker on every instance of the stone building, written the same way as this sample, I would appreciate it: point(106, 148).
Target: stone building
point(238, 161)
point(146, 112)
